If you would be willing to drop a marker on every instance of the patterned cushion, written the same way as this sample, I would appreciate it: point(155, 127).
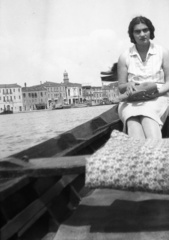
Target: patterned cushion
point(130, 164)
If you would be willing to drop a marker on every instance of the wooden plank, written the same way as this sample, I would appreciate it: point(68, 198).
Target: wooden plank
point(35, 209)
point(113, 214)
point(47, 167)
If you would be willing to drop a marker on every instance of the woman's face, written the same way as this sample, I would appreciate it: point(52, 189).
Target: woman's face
point(141, 34)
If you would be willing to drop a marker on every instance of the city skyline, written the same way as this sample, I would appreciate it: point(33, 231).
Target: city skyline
point(41, 39)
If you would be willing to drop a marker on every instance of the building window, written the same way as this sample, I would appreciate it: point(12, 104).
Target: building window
point(24, 95)
point(4, 99)
point(14, 90)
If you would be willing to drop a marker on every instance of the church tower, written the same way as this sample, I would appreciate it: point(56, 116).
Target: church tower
point(65, 78)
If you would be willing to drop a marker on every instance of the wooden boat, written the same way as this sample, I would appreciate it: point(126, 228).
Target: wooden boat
point(42, 193)
point(26, 197)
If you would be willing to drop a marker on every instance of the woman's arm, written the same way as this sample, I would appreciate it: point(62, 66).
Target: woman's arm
point(165, 65)
point(122, 70)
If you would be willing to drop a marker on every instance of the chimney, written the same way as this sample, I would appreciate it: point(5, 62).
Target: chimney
point(25, 84)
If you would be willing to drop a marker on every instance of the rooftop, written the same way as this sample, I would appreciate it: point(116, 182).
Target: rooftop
point(34, 88)
point(13, 85)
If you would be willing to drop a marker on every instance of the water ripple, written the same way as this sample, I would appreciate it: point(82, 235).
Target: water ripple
point(23, 130)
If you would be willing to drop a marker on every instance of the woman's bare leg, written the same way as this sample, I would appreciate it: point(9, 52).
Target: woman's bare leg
point(151, 128)
point(135, 128)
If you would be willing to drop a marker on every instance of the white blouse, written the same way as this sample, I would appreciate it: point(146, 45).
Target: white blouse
point(148, 70)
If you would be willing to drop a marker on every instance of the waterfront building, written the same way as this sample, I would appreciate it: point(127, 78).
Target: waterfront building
point(74, 93)
point(34, 97)
point(11, 98)
point(110, 92)
point(92, 94)
point(56, 93)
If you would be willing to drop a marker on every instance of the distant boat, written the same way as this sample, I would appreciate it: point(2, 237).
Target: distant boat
point(65, 106)
point(60, 104)
point(79, 105)
point(57, 106)
point(6, 112)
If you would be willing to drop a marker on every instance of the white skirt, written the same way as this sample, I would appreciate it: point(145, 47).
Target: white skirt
point(156, 109)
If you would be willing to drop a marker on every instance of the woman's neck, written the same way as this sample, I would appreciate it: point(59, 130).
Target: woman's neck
point(142, 48)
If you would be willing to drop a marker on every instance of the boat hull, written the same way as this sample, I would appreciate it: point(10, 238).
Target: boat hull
point(43, 186)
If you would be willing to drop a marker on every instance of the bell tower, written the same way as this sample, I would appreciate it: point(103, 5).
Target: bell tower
point(65, 77)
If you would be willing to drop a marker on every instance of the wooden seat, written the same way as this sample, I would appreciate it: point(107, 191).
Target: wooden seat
point(114, 214)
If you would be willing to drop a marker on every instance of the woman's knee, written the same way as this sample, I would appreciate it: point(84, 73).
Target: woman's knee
point(134, 128)
point(151, 128)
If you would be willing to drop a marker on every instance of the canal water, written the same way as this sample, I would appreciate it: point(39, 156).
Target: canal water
point(20, 131)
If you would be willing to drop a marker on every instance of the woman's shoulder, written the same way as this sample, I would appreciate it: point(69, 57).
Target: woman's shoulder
point(160, 48)
point(165, 55)
point(124, 57)
point(165, 51)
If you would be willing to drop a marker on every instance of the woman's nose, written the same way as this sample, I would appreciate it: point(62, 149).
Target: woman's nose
point(142, 33)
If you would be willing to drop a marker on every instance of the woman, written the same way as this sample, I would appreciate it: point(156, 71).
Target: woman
point(143, 62)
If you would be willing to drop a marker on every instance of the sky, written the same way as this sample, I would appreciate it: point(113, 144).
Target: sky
point(40, 39)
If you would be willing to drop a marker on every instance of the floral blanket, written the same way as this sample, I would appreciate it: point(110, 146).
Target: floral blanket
point(130, 164)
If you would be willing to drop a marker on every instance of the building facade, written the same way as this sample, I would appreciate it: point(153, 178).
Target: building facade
point(34, 98)
point(92, 95)
point(56, 93)
point(110, 92)
point(11, 98)
point(74, 93)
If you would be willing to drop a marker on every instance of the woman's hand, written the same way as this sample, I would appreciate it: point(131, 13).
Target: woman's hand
point(131, 87)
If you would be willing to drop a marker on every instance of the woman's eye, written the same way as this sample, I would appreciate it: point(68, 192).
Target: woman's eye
point(145, 30)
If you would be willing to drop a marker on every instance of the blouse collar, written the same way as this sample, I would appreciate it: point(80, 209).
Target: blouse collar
point(151, 51)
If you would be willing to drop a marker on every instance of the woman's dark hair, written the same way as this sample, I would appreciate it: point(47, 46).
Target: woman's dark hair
point(137, 20)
